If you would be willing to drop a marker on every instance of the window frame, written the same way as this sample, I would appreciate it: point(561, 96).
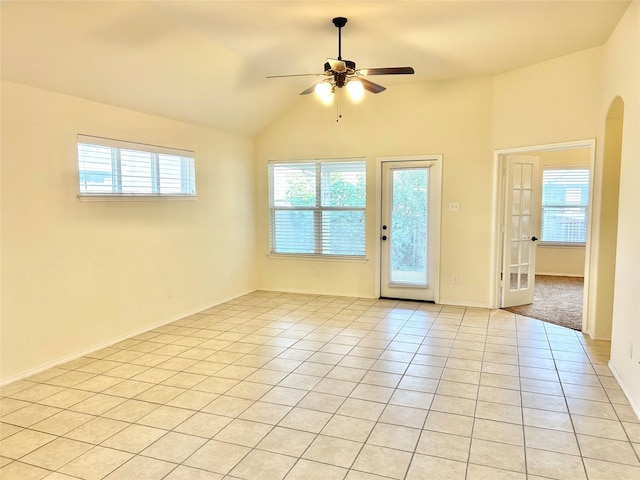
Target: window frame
point(585, 207)
point(317, 211)
point(186, 178)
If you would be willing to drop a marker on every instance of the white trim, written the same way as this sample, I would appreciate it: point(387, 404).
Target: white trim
point(108, 343)
point(467, 304)
point(598, 337)
point(494, 284)
point(89, 197)
point(318, 257)
point(555, 274)
point(627, 392)
point(324, 293)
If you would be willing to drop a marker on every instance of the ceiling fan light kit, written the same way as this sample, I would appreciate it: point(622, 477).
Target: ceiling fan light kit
point(340, 73)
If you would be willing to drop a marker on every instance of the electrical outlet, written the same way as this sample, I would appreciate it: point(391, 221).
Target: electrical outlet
point(170, 292)
point(318, 272)
point(454, 279)
point(454, 207)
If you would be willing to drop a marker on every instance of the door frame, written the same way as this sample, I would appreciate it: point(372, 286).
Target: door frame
point(436, 209)
point(498, 211)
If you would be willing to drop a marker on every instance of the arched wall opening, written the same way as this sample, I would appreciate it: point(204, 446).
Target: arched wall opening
point(605, 228)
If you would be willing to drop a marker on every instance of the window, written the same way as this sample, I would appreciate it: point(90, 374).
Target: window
point(318, 207)
point(117, 168)
point(565, 200)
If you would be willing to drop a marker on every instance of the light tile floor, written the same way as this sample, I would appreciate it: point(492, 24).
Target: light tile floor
point(286, 386)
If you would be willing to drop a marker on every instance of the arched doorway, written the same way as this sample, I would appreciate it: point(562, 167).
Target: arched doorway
point(605, 227)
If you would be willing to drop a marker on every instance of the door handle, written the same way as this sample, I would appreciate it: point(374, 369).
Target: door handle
point(534, 239)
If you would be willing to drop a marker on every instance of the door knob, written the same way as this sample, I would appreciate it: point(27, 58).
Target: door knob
point(534, 239)
point(383, 237)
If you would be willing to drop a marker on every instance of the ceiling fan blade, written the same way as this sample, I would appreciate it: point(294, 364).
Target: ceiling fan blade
point(387, 71)
point(309, 90)
point(337, 65)
point(371, 87)
point(296, 75)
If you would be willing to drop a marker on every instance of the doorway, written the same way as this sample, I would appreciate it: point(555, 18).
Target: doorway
point(554, 260)
point(409, 228)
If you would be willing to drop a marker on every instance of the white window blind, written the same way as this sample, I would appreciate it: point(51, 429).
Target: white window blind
point(318, 207)
point(117, 168)
point(565, 200)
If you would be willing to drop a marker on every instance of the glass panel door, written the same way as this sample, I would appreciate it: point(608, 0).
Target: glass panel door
point(408, 230)
point(409, 221)
point(520, 225)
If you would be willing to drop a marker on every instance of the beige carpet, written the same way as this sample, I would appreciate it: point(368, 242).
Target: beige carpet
point(556, 300)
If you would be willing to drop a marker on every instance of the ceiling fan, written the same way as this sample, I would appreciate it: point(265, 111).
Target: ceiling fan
point(339, 73)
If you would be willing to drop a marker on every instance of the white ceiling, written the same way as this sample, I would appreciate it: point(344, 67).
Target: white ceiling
point(205, 62)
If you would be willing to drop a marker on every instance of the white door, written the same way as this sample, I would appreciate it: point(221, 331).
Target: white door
point(520, 229)
point(409, 227)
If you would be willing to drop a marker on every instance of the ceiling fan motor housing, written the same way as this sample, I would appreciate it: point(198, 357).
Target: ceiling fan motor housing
point(340, 78)
point(339, 22)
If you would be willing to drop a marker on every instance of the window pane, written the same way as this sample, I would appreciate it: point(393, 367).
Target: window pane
point(176, 174)
point(343, 233)
point(565, 198)
point(292, 231)
point(294, 185)
point(94, 164)
point(343, 184)
point(409, 226)
point(564, 224)
point(136, 168)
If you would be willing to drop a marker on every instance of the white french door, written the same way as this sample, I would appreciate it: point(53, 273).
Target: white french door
point(520, 229)
point(409, 229)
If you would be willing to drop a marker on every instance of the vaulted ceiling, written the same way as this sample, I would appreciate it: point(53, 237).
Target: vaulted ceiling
point(205, 62)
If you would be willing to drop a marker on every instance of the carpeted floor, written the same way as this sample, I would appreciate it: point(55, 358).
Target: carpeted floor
point(556, 300)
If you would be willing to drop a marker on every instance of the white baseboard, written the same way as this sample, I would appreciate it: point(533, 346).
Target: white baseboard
point(108, 343)
point(634, 404)
point(553, 274)
point(314, 292)
point(598, 337)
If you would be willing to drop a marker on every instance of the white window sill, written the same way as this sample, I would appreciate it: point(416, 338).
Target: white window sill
point(322, 258)
point(561, 245)
point(136, 198)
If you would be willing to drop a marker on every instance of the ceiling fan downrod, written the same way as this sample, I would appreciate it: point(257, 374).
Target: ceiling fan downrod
point(339, 22)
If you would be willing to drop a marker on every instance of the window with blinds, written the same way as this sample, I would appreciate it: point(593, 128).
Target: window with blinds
point(318, 207)
point(117, 168)
point(565, 200)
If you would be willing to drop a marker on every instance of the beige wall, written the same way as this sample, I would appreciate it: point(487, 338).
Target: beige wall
point(550, 102)
point(448, 118)
point(621, 77)
point(76, 275)
point(552, 260)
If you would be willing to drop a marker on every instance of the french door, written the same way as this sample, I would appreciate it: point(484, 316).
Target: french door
point(409, 229)
point(520, 227)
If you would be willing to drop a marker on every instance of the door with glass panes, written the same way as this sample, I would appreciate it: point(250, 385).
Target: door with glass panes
point(408, 229)
point(520, 230)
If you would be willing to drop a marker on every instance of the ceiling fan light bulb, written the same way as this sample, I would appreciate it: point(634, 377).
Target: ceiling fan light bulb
point(324, 91)
point(356, 90)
